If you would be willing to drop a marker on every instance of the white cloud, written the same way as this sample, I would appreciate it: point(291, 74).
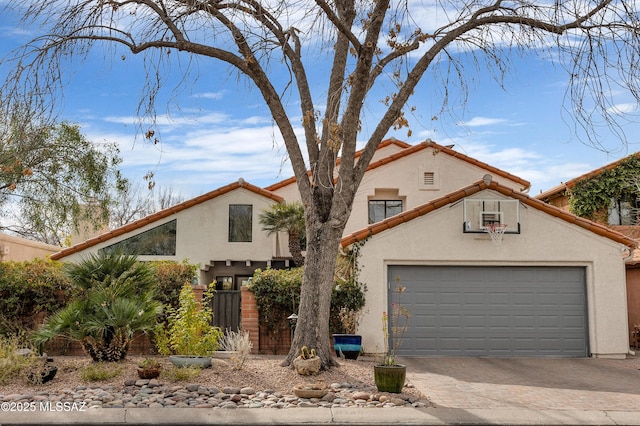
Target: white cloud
point(624, 108)
point(542, 170)
point(482, 121)
point(209, 95)
point(196, 154)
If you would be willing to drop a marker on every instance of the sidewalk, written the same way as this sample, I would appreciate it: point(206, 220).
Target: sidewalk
point(323, 416)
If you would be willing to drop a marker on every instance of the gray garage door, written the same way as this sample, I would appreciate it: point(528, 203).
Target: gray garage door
point(493, 311)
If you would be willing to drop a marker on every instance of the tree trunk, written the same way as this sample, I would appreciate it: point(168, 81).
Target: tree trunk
point(312, 328)
point(295, 248)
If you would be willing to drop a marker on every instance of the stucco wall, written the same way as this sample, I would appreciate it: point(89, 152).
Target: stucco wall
point(19, 249)
point(405, 175)
point(437, 239)
point(203, 231)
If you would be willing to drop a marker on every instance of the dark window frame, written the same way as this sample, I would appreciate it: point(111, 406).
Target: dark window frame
point(157, 241)
point(388, 209)
point(240, 215)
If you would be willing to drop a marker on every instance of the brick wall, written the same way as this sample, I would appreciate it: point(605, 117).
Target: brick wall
point(140, 345)
point(263, 342)
point(249, 318)
point(277, 343)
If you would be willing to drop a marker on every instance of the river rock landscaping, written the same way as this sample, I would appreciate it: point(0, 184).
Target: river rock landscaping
point(262, 383)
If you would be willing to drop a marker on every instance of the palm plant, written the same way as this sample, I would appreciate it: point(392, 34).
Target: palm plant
point(117, 299)
point(287, 217)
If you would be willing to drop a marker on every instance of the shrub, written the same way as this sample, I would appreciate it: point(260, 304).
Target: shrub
point(171, 276)
point(29, 290)
point(116, 300)
point(238, 342)
point(277, 293)
point(12, 363)
point(189, 330)
point(347, 301)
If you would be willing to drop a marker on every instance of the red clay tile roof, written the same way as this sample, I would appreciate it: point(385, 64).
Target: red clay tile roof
point(411, 149)
point(430, 144)
point(559, 190)
point(474, 188)
point(164, 213)
point(292, 179)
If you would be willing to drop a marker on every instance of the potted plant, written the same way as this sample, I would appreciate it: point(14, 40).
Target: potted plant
point(389, 375)
point(349, 300)
point(349, 344)
point(149, 368)
point(189, 338)
point(307, 363)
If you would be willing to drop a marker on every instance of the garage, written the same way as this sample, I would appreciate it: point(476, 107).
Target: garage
point(502, 311)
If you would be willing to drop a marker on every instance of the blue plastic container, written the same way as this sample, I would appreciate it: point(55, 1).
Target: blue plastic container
point(347, 345)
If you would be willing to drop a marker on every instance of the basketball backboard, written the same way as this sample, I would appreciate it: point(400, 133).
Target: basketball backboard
point(478, 213)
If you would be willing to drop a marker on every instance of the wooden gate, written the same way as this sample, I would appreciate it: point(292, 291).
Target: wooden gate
point(226, 309)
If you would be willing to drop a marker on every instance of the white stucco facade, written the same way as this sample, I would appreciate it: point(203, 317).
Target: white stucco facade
point(202, 232)
point(404, 179)
point(437, 239)
point(431, 181)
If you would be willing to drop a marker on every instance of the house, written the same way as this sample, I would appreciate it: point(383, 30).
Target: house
point(553, 287)
point(421, 212)
point(407, 178)
point(18, 249)
point(620, 215)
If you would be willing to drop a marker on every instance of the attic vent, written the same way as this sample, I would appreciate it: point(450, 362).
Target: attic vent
point(428, 179)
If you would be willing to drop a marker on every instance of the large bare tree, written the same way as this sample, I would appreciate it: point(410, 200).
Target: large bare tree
point(369, 46)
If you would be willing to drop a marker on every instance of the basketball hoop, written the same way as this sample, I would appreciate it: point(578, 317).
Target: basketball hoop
point(496, 231)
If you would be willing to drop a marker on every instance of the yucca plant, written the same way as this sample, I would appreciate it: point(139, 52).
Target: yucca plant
point(117, 299)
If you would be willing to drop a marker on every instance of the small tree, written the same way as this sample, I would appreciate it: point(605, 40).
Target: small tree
point(287, 217)
point(48, 177)
point(189, 330)
point(117, 300)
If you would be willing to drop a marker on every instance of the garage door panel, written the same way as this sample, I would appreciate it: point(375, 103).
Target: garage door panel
point(574, 321)
point(494, 311)
point(473, 298)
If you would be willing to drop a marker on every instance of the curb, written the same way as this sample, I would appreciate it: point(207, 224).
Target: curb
point(321, 416)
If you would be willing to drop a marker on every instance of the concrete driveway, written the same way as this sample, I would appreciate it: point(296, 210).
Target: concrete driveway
point(540, 384)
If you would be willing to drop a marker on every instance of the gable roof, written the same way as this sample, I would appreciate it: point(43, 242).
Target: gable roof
point(557, 191)
point(165, 213)
point(486, 183)
point(288, 181)
point(412, 149)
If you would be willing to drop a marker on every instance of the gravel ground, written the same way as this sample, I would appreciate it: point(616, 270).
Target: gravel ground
point(259, 372)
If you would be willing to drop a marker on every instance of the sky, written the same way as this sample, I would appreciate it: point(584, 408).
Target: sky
point(218, 129)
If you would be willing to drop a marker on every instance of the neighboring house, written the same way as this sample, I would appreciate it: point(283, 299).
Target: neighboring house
point(420, 214)
point(622, 216)
point(20, 249)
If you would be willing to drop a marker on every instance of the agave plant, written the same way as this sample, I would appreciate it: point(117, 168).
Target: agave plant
point(117, 300)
